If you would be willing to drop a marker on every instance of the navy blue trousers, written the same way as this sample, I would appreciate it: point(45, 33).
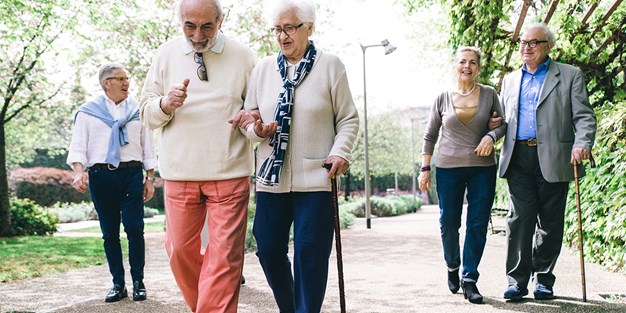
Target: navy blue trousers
point(312, 217)
point(116, 194)
point(452, 183)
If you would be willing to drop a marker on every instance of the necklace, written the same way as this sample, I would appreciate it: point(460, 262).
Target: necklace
point(467, 94)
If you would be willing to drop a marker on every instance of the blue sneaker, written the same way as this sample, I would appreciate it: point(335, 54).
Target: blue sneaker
point(543, 292)
point(515, 293)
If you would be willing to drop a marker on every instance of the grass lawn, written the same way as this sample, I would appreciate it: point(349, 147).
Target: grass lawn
point(34, 256)
point(154, 227)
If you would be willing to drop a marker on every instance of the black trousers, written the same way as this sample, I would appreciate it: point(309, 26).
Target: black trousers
point(535, 221)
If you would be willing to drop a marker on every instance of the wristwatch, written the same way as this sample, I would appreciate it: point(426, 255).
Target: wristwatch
point(150, 178)
point(425, 168)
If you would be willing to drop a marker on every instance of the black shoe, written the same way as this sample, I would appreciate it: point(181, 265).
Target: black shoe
point(243, 280)
point(117, 293)
point(453, 280)
point(139, 291)
point(471, 293)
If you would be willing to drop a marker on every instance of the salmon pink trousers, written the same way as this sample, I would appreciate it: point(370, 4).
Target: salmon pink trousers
point(209, 282)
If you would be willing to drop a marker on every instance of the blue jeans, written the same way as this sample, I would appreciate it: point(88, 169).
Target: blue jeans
point(452, 183)
point(115, 192)
point(313, 227)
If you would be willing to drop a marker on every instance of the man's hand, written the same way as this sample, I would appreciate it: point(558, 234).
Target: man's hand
point(338, 164)
point(579, 154)
point(243, 118)
point(175, 97)
point(80, 181)
point(495, 121)
point(148, 190)
point(266, 130)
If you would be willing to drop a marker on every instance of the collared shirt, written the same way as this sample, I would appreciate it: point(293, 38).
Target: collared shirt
point(530, 91)
point(90, 139)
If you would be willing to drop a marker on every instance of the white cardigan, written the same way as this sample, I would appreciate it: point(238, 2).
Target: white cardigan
point(324, 121)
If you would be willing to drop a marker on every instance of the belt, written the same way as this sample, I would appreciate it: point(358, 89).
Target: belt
point(529, 142)
point(122, 165)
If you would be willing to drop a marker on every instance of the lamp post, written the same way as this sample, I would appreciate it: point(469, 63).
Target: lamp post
point(413, 162)
point(368, 208)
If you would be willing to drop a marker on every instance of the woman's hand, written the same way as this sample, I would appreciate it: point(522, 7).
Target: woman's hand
point(424, 180)
point(266, 130)
point(485, 147)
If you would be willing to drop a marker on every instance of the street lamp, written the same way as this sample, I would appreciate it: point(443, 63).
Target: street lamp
point(368, 208)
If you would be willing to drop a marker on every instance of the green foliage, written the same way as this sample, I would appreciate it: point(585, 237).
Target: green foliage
point(603, 194)
point(31, 219)
point(250, 241)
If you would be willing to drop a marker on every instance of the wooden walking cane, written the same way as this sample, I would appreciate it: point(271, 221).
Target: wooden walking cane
point(580, 229)
point(342, 295)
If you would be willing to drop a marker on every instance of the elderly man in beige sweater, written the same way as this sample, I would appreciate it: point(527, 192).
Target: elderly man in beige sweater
point(195, 84)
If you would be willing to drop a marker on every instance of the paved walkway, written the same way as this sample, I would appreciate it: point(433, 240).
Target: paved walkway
point(395, 267)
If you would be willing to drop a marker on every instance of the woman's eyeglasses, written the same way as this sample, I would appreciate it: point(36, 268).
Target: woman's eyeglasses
point(119, 79)
point(201, 71)
point(288, 29)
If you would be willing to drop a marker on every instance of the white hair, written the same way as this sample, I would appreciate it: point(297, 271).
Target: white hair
point(179, 9)
point(304, 9)
point(549, 34)
point(106, 70)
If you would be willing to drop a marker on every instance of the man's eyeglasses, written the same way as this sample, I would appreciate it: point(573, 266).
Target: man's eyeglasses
point(201, 71)
point(531, 43)
point(119, 79)
point(288, 29)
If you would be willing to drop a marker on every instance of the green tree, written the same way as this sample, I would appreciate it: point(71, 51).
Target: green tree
point(29, 29)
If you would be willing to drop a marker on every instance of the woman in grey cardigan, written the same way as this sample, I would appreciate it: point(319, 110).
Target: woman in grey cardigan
point(465, 162)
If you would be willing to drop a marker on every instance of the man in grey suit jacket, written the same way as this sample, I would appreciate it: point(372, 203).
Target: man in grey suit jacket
point(551, 127)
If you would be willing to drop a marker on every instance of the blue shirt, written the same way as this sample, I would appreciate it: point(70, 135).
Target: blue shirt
point(528, 98)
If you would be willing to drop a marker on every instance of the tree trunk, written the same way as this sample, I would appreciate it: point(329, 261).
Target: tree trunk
point(5, 209)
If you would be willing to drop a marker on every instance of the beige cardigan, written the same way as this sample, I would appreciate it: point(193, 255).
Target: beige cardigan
point(196, 142)
point(324, 121)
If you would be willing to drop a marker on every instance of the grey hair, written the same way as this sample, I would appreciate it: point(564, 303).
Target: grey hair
point(220, 12)
point(470, 49)
point(305, 10)
point(549, 34)
point(106, 70)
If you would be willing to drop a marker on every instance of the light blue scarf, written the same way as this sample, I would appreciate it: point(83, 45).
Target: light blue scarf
point(98, 108)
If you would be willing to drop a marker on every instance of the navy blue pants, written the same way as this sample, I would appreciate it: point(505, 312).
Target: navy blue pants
point(480, 183)
point(313, 227)
point(116, 194)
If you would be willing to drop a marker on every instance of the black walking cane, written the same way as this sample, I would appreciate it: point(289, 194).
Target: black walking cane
point(580, 229)
point(342, 295)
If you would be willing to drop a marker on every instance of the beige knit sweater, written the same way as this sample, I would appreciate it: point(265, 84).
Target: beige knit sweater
point(196, 141)
point(324, 121)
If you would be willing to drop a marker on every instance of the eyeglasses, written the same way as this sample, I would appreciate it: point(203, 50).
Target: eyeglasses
point(531, 43)
point(288, 29)
point(201, 71)
point(119, 79)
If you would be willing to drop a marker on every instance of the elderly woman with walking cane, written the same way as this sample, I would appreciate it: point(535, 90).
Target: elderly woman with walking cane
point(307, 118)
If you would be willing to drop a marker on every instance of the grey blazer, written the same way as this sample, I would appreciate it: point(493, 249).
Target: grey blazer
point(564, 120)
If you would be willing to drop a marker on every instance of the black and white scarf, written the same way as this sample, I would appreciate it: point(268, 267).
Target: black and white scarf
point(269, 173)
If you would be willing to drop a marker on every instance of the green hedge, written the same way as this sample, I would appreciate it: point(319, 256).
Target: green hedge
point(603, 194)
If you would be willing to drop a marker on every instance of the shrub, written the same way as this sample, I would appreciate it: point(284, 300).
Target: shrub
point(157, 201)
point(45, 186)
point(149, 212)
point(30, 219)
point(74, 212)
point(250, 241)
point(603, 194)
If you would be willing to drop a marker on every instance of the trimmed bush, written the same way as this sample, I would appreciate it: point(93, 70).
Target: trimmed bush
point(74, 212)
point(30, 219)
point(45, 186)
